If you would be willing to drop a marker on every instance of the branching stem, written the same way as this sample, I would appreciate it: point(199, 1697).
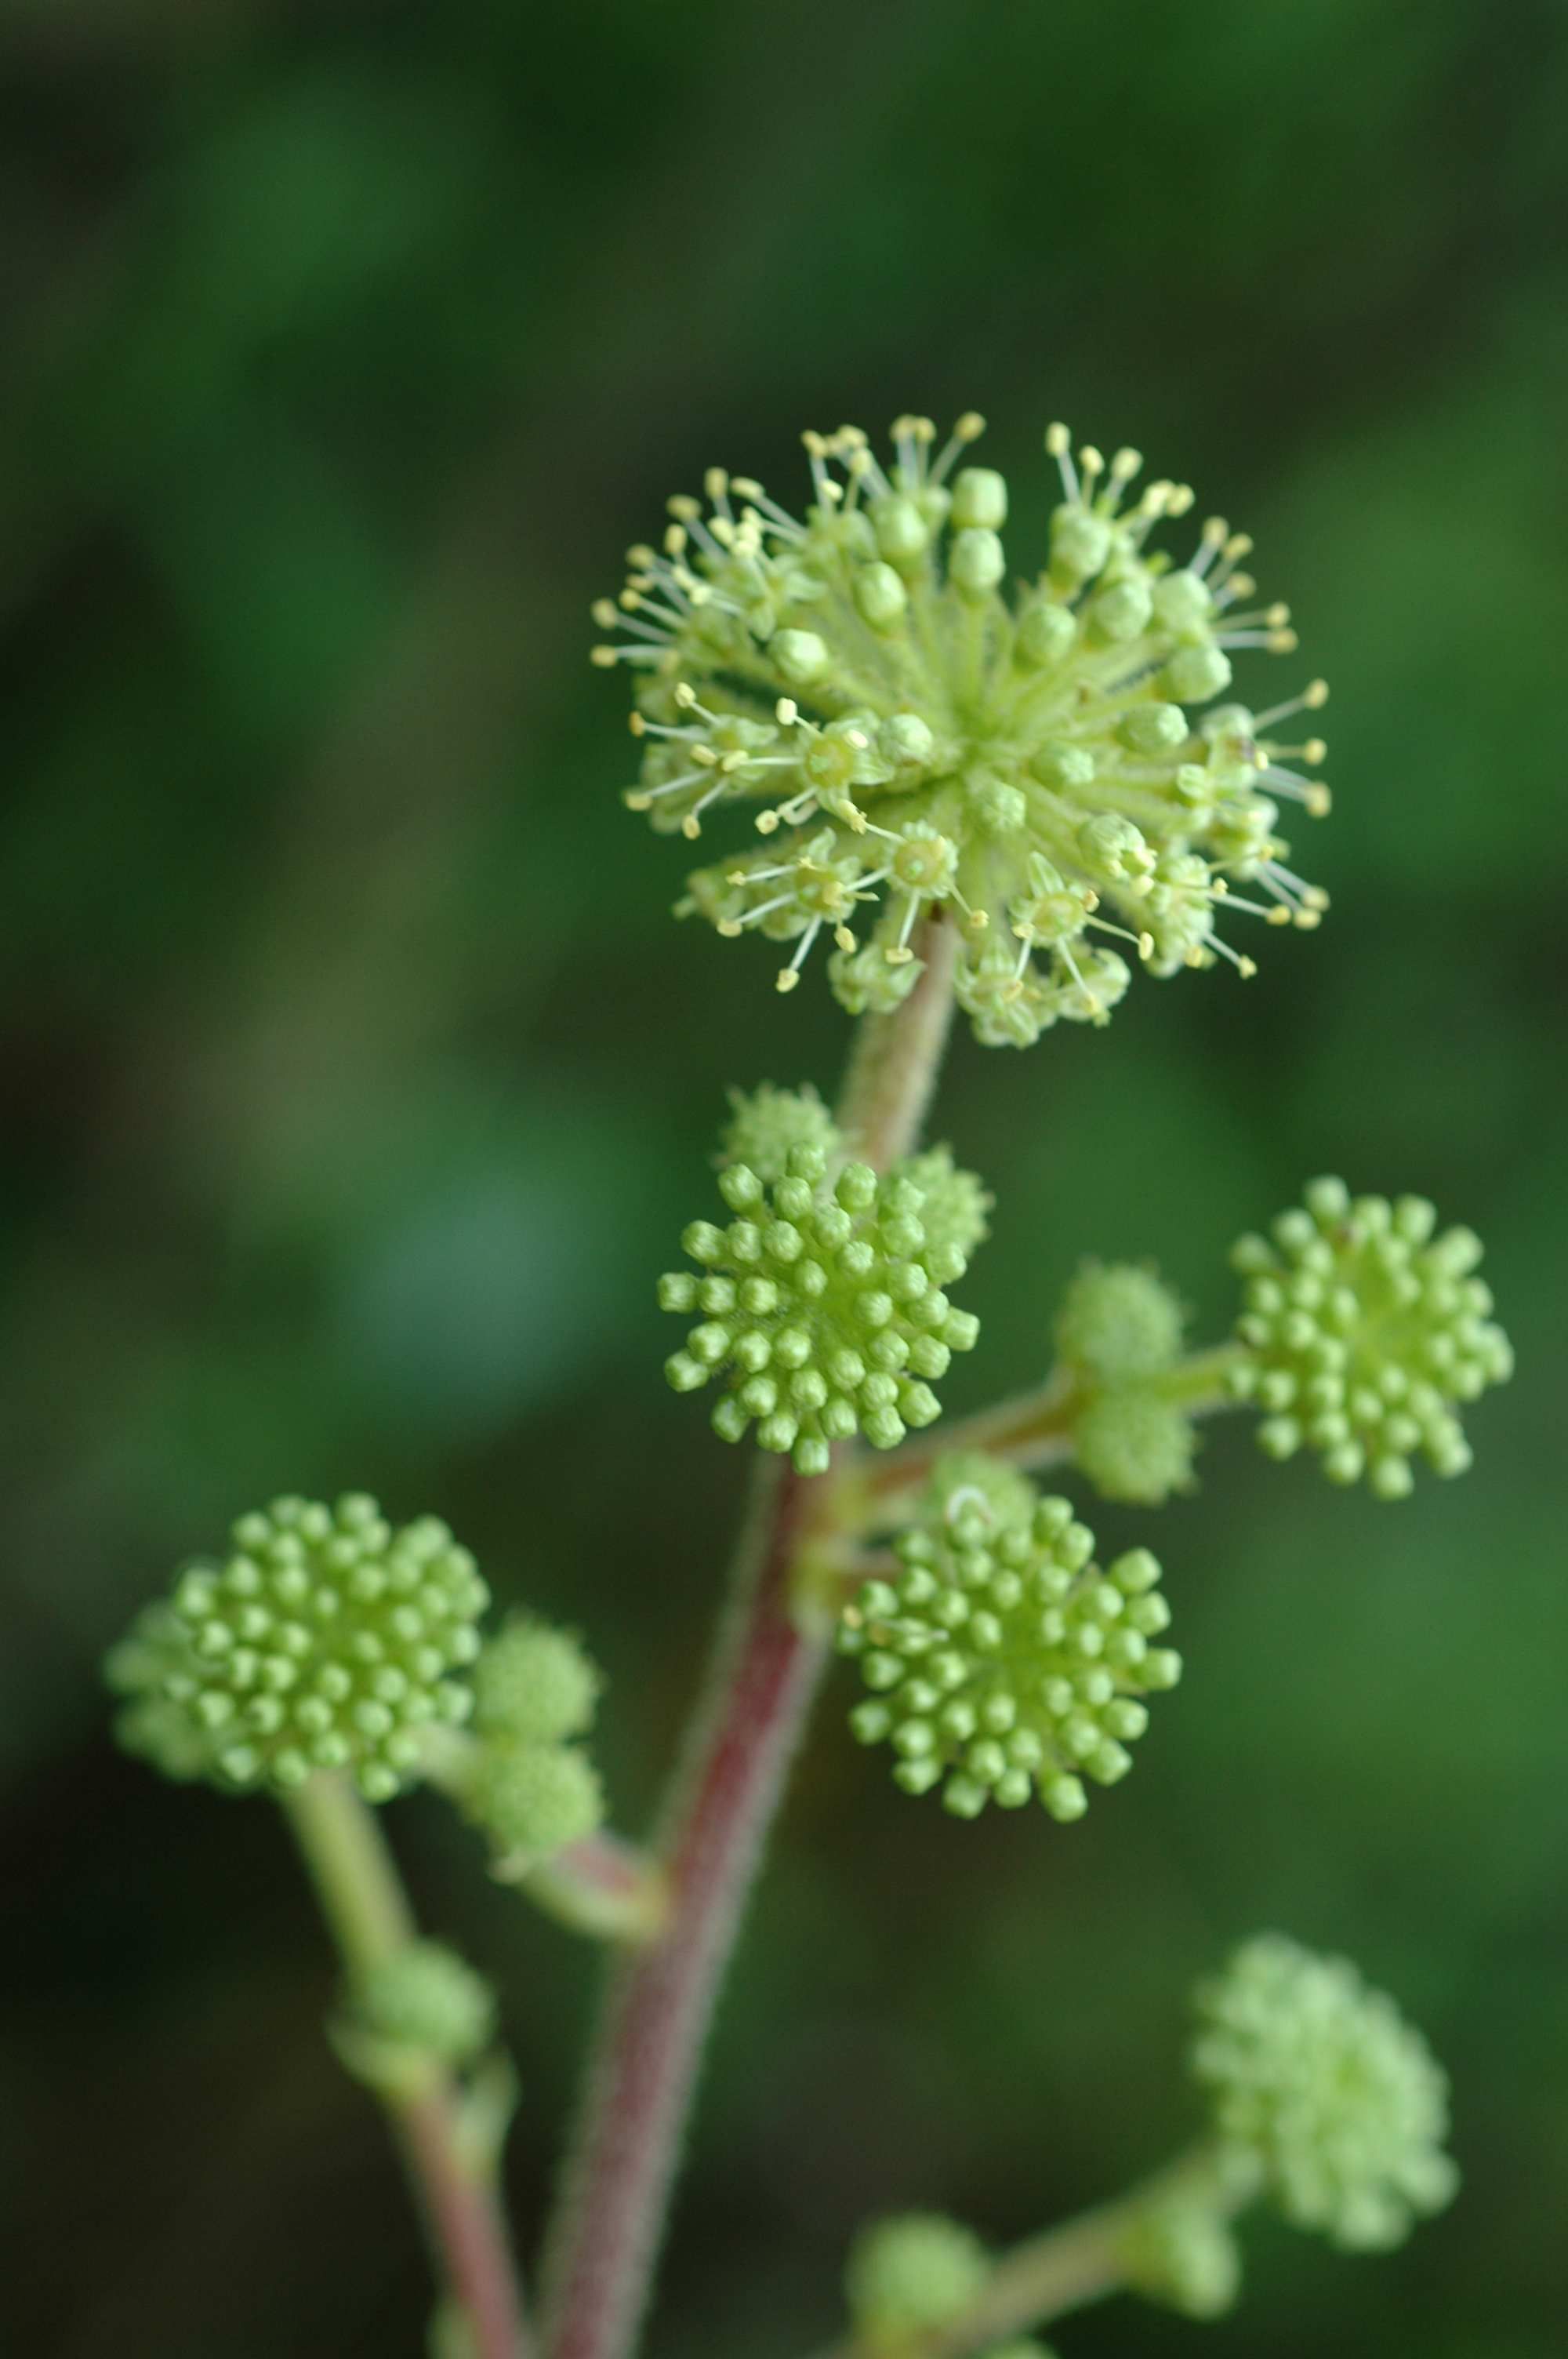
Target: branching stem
point(367, 1911)
point(767, 1661)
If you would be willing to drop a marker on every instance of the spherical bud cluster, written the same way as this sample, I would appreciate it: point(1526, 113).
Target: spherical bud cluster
point(1322, 2091)
point(426, 1997)
point(1045, 769)
point(1002, 1661)
point(821, 1308)
point(911, 2272)
point(532, 1791)
point(954, 1209)
point(1118, 1333)
point(326, 1640)
point(1119, 1320)
point(1180, 2252)
point(766, 1124)
point(1364, 1331)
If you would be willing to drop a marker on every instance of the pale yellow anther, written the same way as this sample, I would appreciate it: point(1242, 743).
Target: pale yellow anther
point(716, 483)
point(1315, 898)
point(1241, 585)
point(1220, 885)
point(639, 555)
point(637, 798)
point(1156, 499)
point(737, 876)
point(631, 598)
point(923, 430)
point(1091, 459)
point(705, 755)
point(746, 486)
point(1282, 642)
point(767, 821)
point(730, 763)
point(788, 976)
point(1239, 545)
point(691, 827)
point(898, 954)
point(675, 540)
point(685, 695)
point(604, 656)
point(604, 613)
point(1277, 615)
point(816, 444)
point(1316, 695)
point(1216, 532)
point(1181, 499)
point(730, 928)
point(1319, 800)
point(636, 723)
point(1278, 916)
point(970, 427)
point(683, 508)
point(978, 919)
point(786, 713)
point(1307, 920)
point(1058, 440)
point(1246, 968)
point(856, 737)
point(699, 593)
point(1145, 946)
point(1316, 750)
point(1125, 463)
point(844, 938)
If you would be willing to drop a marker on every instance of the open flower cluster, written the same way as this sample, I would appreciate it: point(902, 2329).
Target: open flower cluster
point(1363, 1333)
point(1321, 2090)
point(1047, 769)
point(325, 1640)
point(1002, 1661)
point(822, 1303)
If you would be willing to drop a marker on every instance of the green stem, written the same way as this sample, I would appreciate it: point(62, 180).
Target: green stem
point(1030, 1430)
point(367, 1912)
point(767, 1661)
point(1060, 2270)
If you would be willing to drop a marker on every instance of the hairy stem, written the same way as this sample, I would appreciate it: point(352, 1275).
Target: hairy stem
point(367, 1910)
point(767, 1661)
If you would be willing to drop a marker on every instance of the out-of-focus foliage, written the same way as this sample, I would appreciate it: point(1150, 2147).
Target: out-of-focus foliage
point(355, 1077)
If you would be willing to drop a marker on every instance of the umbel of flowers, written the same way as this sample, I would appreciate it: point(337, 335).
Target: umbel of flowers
point(1003, 1662)
point(1044, 762)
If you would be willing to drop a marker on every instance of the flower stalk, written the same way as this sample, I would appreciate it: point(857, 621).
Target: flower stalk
point(367, 1912)
point(767, 1661)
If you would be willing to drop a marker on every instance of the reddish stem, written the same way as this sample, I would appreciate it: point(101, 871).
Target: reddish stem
point(610, 2219)
point(466, 2227)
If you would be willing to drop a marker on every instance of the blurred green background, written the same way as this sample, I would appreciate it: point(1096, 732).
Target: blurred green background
point(356, 1082)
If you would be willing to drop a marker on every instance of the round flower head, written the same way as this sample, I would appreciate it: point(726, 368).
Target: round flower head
point(822, 1306)
point(1001, 1660)
point(1134, 1445)
point(532, 1799)
point(1363, 1331)
point(533, 1684)
point(425, 1997)
point(1117, 1320)
point(910, 2273)
point(1322, 2091)
point(326, 1640)
point(1045, 768)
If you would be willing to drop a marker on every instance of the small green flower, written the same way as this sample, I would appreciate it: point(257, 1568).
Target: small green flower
point(426, 1997)
point(822, 1304)
point(1117, 1320)
point(913, 740)
point(910, 2273)
point(1364, 1331)
point(326, 1640)
point(1322, 2094)
point(1001, 1660)
point(533, 1685)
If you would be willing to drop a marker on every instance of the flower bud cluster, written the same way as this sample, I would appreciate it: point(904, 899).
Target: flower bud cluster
point(1118, 1333)
point(531, 1788)
point(1322, 2094)
point(910, 2273)
point(325, 1640)
point(1046, 769)
point(426, 1998)
point(1364, 1330)
point(1002, 1661)
point(822, 1302)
